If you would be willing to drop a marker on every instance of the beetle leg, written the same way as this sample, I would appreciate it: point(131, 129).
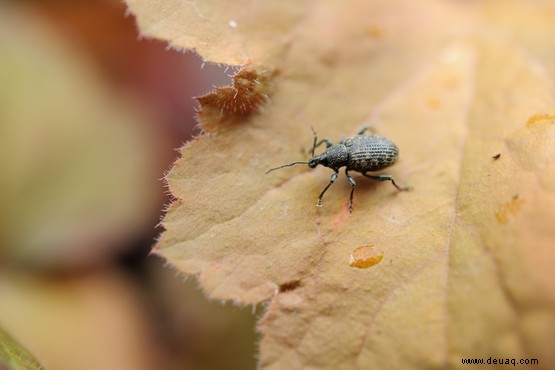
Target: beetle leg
point(314, 146)
point(353, 184)
point(387, 178)
point(366, 128)
point(327, 141)
point(332, 180)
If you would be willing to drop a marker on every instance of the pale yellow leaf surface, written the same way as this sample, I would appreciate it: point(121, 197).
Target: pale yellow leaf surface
point(466, 258)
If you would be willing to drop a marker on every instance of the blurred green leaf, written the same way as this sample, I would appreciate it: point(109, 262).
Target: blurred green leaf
point(14, 355)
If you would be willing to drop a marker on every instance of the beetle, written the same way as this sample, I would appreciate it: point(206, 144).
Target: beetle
point(360, 153)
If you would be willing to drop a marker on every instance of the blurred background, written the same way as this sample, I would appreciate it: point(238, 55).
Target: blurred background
point(90, 117)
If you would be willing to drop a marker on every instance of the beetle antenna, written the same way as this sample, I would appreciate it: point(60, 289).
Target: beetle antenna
point(315, 140)
point(286, 165)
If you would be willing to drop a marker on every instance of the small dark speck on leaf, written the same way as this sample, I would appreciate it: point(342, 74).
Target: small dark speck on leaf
point(495, 157)
point(290, 285)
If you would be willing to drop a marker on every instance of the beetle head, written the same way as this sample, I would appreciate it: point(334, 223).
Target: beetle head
point(313, 162)
point(319, 159)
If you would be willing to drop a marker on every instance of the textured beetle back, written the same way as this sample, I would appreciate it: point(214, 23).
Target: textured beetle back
point(370, 153)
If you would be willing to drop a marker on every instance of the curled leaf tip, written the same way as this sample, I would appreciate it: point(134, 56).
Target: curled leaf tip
point(249, 93)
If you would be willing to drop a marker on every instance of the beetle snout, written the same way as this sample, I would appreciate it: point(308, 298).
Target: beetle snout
point(312, 162)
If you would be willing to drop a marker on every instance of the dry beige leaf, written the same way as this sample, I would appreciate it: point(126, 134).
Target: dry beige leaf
point(467, 256)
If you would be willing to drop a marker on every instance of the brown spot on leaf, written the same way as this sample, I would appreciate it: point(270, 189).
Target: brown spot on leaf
point(365, 256)
point(290, 285)
point(509, 210)
point(374, 32)
point(540, 117)
point(497, 156)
